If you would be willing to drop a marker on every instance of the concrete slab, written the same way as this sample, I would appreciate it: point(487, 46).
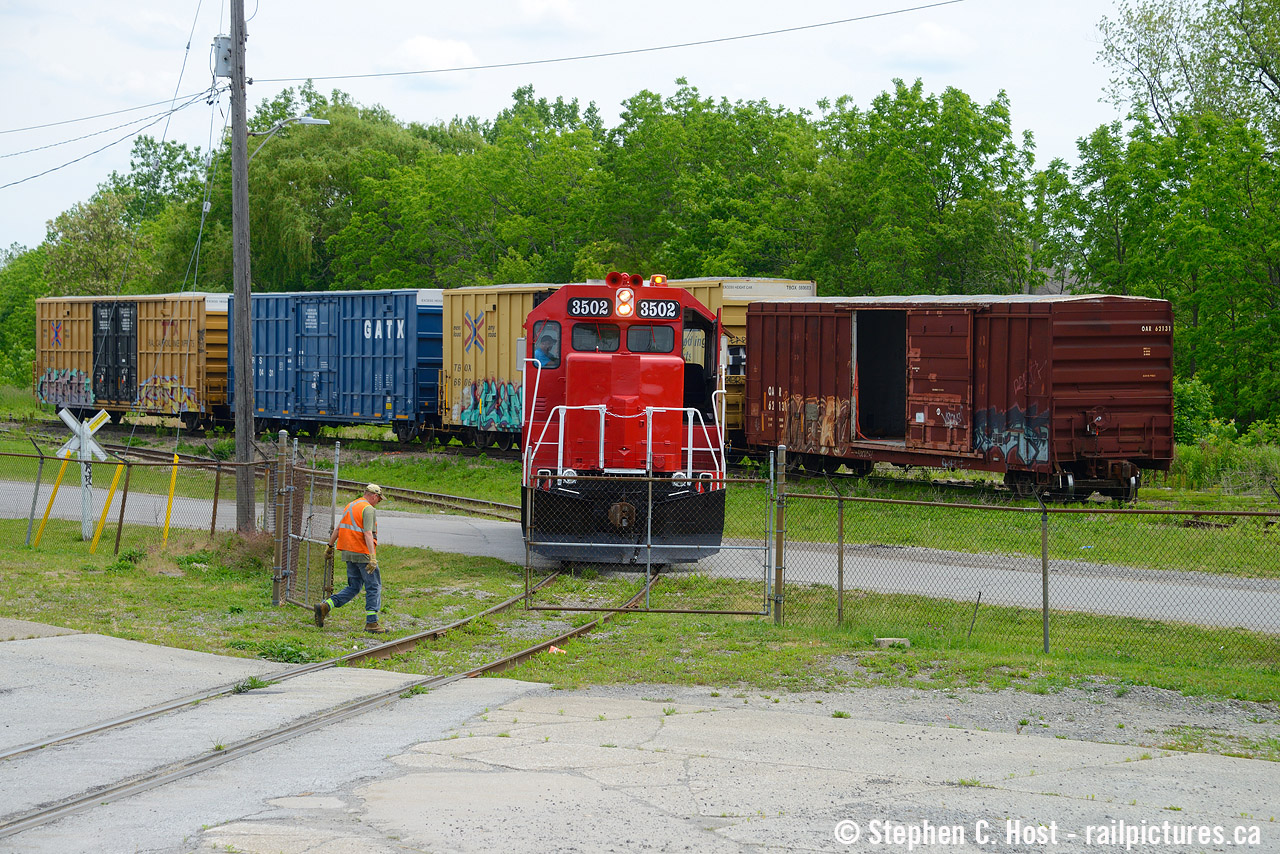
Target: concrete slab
point(60, 771)
point(492, 764)
point(57, 684)
point(11, 629)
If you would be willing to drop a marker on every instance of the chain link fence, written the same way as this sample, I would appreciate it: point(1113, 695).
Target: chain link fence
point(105, 503)
point(1093, 580)
point(710, 538)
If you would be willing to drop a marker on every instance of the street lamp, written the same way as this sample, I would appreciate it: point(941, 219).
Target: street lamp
point(302, 120)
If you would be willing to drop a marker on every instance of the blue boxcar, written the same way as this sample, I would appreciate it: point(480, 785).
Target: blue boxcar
point(330, 358)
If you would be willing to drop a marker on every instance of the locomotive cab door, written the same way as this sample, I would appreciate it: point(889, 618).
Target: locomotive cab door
point(939, 389)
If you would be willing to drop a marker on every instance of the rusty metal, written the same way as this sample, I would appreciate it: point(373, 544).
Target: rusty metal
point(395, 647)
point(1070, 388)
point(281, 530)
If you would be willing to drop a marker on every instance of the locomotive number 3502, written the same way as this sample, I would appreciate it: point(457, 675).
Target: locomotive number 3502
point(659, 309)
point(581, 307)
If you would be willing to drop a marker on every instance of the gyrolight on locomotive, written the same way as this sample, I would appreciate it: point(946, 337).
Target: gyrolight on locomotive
point(623, 451)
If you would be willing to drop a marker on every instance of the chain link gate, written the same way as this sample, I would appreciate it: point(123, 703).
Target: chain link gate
point(679, 571)
point(303, 497)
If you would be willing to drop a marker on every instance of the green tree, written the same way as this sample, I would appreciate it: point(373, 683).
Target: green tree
point(1175, 57)
point(90, 249)
point(22, 281)
point(161, 173)
point(698, 187)
point(921, 194)
point(514, 209)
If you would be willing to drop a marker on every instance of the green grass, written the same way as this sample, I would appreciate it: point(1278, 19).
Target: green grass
point(214, 596)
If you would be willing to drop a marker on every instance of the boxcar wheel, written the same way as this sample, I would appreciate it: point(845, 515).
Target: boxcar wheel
point(504, 441)
point(484, 439)
point(405, 432)
point(831, 465)
point(859, 468)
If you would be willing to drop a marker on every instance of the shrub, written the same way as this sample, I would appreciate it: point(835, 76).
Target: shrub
point(1192, 410)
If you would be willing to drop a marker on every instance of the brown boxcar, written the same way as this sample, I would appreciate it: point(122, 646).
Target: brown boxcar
point(1067, 393)
point(161, 354)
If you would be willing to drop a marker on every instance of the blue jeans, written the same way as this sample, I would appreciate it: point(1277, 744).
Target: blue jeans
point(358, 575)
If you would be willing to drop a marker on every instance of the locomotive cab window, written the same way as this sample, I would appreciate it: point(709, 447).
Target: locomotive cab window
point(596, 337)
point(546, 344)
point(645, 338)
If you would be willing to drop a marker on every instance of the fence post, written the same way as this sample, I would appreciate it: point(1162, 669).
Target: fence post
point(124, 498)
point(277, 575)
point(780, 529)
point(217, 485)
point(35, 496)
point(839, 560)
point(1044, 568)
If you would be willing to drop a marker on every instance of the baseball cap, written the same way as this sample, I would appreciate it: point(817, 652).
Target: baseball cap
point(374, 489)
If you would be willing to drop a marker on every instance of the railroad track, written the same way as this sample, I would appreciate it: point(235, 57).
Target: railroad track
point(14, 824)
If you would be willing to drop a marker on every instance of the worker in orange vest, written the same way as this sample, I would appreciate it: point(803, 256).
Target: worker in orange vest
point(357, 540)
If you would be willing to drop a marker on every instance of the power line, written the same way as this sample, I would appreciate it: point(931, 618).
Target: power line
point(86, 136)
point(631, 52)
point(98, 116)
point(155, 121)
point(530, 62)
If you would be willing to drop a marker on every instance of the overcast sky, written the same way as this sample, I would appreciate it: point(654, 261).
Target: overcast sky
point(63, 61)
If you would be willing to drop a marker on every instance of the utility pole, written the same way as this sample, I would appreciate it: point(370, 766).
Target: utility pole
point(241, 289)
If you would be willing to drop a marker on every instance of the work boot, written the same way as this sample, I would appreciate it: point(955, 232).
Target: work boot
point(374, 628)
point(320, 610)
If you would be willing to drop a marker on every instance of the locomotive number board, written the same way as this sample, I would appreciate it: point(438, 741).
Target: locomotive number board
point(590, 307)
point(658, 309)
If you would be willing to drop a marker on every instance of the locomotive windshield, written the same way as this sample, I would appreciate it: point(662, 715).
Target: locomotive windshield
point(643, 338)
point(596, 337)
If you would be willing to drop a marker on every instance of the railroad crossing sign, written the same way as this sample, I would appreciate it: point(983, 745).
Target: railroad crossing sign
point(82, 436)
point(83, 445)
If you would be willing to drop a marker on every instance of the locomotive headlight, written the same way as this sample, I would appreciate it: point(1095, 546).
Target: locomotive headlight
point(567, 477)
point(626, 302)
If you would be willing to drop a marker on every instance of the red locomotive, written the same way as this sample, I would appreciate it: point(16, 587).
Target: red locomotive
point(623, 454)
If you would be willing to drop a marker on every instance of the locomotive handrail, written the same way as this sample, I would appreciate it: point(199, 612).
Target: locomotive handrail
point(717, 459)
point(525, 403)
point(557, 414)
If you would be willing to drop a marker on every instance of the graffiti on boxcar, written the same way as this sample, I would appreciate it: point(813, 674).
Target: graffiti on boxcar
point(65, 388)
point(492, 405)
point(166, 395)
point(1022, 437)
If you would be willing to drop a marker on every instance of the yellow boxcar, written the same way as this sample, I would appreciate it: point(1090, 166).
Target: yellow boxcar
point(155, 354)
point(482, 387)
point(481, 390)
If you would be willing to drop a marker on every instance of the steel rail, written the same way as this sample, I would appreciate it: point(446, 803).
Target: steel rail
point(479, 506)
point(195, 765)
point(381, 651)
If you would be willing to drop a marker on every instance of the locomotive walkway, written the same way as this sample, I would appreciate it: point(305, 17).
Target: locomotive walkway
point(1186, 597)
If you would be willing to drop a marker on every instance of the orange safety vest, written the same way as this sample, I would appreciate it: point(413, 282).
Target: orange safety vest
point(350, 531)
